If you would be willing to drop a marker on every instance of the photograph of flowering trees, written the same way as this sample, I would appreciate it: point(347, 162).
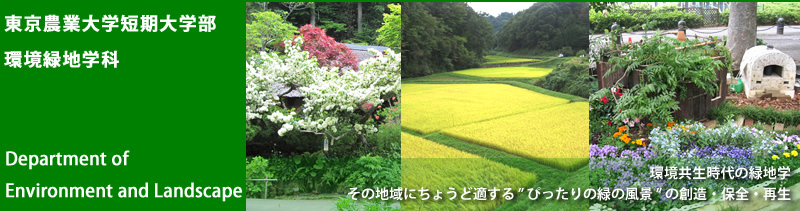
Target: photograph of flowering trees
point(322, 104)
point(682, 120)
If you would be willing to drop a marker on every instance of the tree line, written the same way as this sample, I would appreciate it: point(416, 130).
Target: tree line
point(348, 22)
point(546, 26)
point(443, 36)
point(446, 36)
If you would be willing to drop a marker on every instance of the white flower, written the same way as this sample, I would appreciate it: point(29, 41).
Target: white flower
point(328, 97)
point(288, 127)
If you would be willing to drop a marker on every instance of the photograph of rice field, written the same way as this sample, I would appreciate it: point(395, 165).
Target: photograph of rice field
point(475, 102)
point(483, 114)
point(506, 72)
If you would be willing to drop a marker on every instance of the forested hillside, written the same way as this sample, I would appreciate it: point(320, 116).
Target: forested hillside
point(443, 36)
point(546, 26)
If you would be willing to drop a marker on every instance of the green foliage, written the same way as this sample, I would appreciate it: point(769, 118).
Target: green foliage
point(331, 26)
point(378, 205)
point(441, 37)
point(373, 172)
point(581, 52)
point(601, 113)
point(390, 32)
point(665, 19)
point(769, 115)
point(668, 66)
point(546, 26)
point(256, 168)
point(311, 172)
point(769, 12)
point(723, 17)
point(724, 113)
point(339, 18)
point(500, 20)
point(348, 204)
point(570, 77)
point(266, 29)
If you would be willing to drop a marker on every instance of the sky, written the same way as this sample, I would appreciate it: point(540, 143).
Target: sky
point(495, 8)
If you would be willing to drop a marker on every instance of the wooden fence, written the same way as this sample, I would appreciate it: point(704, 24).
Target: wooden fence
point(695, 106)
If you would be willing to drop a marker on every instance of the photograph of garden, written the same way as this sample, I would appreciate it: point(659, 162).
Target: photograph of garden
point(677, 98)
point(495, 95)
point(686, 105)
point(322, 104)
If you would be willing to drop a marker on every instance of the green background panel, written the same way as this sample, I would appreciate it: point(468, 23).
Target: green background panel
point(174, 102)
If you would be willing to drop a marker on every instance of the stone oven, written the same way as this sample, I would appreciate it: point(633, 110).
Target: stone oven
point(766, 70)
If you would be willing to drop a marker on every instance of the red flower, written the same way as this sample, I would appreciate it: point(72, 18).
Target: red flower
point(604, 99)
point(377, 117)
point(609, 122)
point(367, 105)
point(630, 40)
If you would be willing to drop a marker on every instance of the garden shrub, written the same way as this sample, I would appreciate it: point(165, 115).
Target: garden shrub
point(267, 29)
point(570, 77)
point(666, 19)
point(769, 12)
point(669, 65)
point(325, 49)
point(769, 115)
point(390, 33)
point(335, 103)
point(256, 168)
point(373, 172)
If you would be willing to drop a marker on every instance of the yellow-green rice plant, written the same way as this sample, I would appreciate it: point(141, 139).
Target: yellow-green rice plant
point(492, 59)
point(428, 108)
point(555, 136)
point(432, 166)
point(416, 147)
point(506, 72)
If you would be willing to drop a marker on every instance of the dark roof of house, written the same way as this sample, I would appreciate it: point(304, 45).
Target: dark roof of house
point(282, 88)
point(365, 47)
point(362, 51)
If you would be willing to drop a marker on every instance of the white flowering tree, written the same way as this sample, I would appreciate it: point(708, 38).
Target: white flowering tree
point(335, 104)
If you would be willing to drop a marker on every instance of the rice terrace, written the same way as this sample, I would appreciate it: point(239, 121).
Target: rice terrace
point(460, 128)
point(499, 104)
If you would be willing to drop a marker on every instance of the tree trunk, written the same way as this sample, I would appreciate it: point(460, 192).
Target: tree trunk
point(313, 16)
point(741, 30)
point(359, 17)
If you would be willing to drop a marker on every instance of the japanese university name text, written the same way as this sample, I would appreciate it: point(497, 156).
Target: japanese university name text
point(51, 58)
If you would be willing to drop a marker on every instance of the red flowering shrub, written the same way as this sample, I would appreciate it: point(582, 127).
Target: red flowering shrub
point(328, 52)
